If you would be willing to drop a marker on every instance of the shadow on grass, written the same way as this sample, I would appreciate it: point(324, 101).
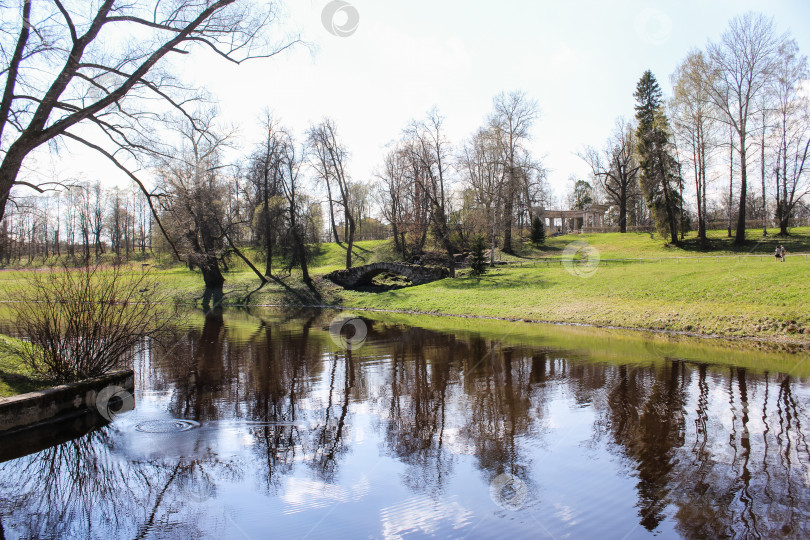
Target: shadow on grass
point(21, 384)
point(529, 251)
point(754, 244)
point(357, 251)
point(246, 299)
point(306, 295)
point(494, 280)
point(361, 248)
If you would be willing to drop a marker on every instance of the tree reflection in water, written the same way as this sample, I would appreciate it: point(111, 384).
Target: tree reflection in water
point(84, 489)
point(712, 452)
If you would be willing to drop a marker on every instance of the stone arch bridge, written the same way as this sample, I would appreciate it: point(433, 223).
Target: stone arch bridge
point(362, 275)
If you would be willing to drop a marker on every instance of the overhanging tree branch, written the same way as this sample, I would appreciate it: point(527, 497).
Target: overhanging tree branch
point(132, 176)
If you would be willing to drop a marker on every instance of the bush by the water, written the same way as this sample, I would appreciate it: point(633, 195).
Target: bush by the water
point(82, 322)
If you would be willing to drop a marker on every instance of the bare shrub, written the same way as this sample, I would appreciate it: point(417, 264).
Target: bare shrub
point(82, 322)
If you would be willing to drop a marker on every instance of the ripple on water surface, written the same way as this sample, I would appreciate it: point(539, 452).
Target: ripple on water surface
point(166, 426)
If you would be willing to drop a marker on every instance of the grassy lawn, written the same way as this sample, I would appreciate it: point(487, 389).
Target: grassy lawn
point(16, 378)
point(683, 288)
point(733, 295)
point(642, 245)
point(750, 298)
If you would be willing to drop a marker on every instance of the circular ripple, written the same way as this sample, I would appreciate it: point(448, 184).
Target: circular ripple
point(166, 426)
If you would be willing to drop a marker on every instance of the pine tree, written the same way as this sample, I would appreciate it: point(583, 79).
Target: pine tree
point(660, 180)
point(478, 259)
point(538, 235)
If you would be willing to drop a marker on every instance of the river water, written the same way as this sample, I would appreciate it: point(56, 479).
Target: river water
point(263, 425)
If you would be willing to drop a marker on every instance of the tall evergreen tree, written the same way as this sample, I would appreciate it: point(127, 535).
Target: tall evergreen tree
point(478, 258)
point(538, 231)
point(660, 179)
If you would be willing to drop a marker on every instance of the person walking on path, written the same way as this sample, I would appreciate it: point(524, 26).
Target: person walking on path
point(782, 252)
point(778, 253)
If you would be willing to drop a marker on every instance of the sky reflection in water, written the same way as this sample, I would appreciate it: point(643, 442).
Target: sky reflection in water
point(419, 432)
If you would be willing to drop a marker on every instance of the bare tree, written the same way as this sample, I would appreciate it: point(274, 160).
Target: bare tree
point(792, 133)
point(729, 203)
point(97, 217)
point(484, 173)
point(616, 167)
point(742, 63)
point(403, 200)
point(512, 119)
point(692, 118)
point(62, 81)
point(192, 197)
point(265, 174)
point(430, 151)
point(359, 200)
point(391, 195)
point(329, 158)
point(292, 161)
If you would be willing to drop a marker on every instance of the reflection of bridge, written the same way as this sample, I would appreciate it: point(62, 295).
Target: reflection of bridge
point(362, 275)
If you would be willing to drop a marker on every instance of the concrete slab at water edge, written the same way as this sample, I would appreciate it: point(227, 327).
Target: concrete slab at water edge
point(27, 409)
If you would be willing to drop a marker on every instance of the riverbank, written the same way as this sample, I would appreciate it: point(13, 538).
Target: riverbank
point(718, 294)
point(719, 298)
point(630, 281)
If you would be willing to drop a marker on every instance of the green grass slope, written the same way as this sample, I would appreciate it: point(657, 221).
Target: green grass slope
point(639, 282)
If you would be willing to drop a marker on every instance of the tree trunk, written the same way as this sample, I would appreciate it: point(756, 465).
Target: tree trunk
point(349, 237)
point(762, 163)
point(673, 224)
point(212, 276)
point(696, 160)
point(268, 231)
point(730, 182)
point(739, 239)
point(302, 255)
point(268, 269)
point(9, 169)
point(622, 208)
point(395, 233)
point(441, 230)
point(703, 196)
point(494, 235)
point(214, 313)
point(404, 246)
point(507, 226)
point(332, 213)
point(298, 243)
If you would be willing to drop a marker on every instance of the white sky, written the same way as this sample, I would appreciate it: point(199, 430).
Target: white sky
point(579, 59)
